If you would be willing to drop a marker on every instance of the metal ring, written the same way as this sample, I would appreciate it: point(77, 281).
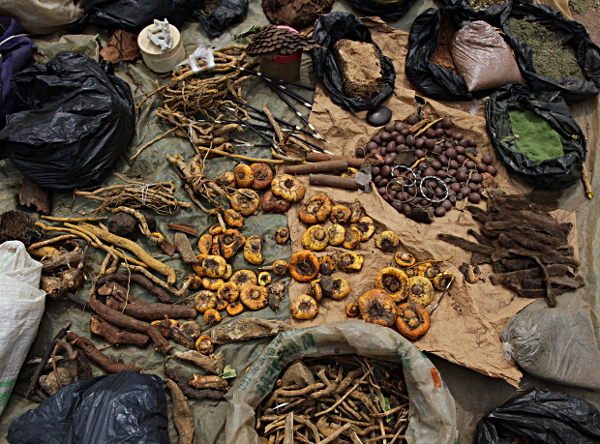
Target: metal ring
point(403, 167)
point(440, 181)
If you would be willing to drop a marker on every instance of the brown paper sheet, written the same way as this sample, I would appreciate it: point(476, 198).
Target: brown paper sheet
point(466, 326)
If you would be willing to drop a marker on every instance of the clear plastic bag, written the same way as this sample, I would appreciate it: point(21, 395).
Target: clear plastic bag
point(42, 16)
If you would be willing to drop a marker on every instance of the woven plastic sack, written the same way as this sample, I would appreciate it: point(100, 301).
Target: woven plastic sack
point(42, 16)
point(21, 309)
point(483, 58)
point(557, 345)
point(432, 415)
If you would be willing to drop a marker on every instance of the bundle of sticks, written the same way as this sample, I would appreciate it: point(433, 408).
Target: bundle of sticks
point(337, 399)
point(527, 247)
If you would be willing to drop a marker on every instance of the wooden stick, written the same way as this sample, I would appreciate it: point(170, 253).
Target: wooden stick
point(338, 432)
point(156, 139)
point(587, 185)
point(324, 180)
point(339, 401)
point(239, 156)
point(317, 167)
point(74, 219)
point(319, 157)
point(60, 238)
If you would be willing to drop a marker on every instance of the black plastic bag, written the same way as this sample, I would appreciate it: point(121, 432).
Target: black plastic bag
point(390, 11)
point(544, 416)
point(77, 121)
point(553, 174)
point(228, 12)
point(337, 26)
point(124, 408)
point(433, 80)
point(134, 15)
point(568, 32)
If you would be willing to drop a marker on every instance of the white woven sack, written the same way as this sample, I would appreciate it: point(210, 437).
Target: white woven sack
point(21, 309)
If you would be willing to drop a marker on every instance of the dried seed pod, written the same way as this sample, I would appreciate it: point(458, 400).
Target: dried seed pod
point(243, 175)
point(263, 176)
point(254, 296)
point(215, 229)
point(226, 180)
point(288, 187)
point(337, 234)
point(198, 268)
point(164, 325)
point(195, 281)
point(387, 241)
point(340, 288)
point(327, 265)
point(282, 235)
point(264, 278)
point(228, 272)
point(235, 308)
point(204, 345)
point(229, 292)
point(253, 250)
point(352, 310)
point(355, 212)
point(315, 210)
point(377, 307)
point(427, 270)
point(208, 382)
point(214, 266)
point(230, 242)
point(221, 304)
point(404, 259)
point(274, 204)
point(212, 284)
point(315, 238)
point(233, 218)
point(352, 238)
point(304, 266)
point(442, 279)
point(205, 243)
point(245, 201)
point(393, 281)
point(340, 214)
point(316, 291)
point(366, 226)
point(304, 307)
point(350, 262)
point(242, 278)
point(205, 300)
point(419, 290)
point(412, 320)
point(212, 316)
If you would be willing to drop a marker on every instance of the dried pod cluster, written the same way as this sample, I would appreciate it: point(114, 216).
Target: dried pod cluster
point(270, 41)
point(428, 166)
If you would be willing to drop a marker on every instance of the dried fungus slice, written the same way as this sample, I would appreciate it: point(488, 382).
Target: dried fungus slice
point(404, 259)
point(304, 307)
point(228, 272)
point(253, 250)
point(212, 284)
point(245, 201)
point(264, 278)
point(205, 243)
point(442, 279)
point(254, 297)
point(280, 267)
point(393, 281)
point(315, 238)
point(263, 176)
point(282, 235)
point(419, 290)
point(355, 212)
point(316, 291)
point(352, 238)
point(230, 242)
point(337, 234)
point(165, 325)
point(315, 210)
point(235, 308)
point(288, 187)
point(340, 214)
point(233, 218)
point(304, 266)
point(366, 226)
point(243, 175)
point(226, 180)
point(228, 292)
point(327, 265)
point(377, 307)
point(205, 300)
point(214, 266)
point(274, 204)
point(221, 304)
point(387, 241)
point(212, 316)
point(350, 262)
point(204, 345)
point(427, 270)
point(199, 268)
point(413, 320)
point(352, 310)
point(340, 288)
point(243, 278)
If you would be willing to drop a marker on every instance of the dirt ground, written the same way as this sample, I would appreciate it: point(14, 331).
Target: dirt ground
point(587, 12)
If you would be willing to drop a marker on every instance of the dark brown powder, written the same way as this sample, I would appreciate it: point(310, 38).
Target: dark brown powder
point(442, 56)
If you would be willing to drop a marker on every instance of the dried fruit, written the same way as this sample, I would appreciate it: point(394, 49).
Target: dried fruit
point(264, 278)
point(205, 300)
point(315, 238)
point(340, 288)
point(228, 292)
point(352, 310)
point(274, 204)
point(288, 187)
point(212, 316)
point(393, 281)
point(337, 234)
point(404, 259)
point(340, 214)
point(350, 262)
point(316, 291)
point(413, 320)
point(263, 176)
point(242, 278)
point(226, 180)
point(245, 201)
point(352, 238)
point(212, 284)
point(377, 307)
point(387, 241)
point(205, 243)
point(233, 218)
point(327, 265)
point(204, 345)
point(214, 266)
point(230, 242)
point(254, 296)
point(366, 226)
point(303, 307)
point(253, 250)
point(235, 308)
point(282, 235)
point(419, 290)
point(442, 279)
point(304, 266)
point(243, 175)
point(315, 210)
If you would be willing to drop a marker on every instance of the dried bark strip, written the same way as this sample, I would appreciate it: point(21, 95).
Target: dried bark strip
point(247, 329)
point(116, 336)
point(184, 248)
point(161, 294)
point(188, 391)
point(183, 418)
point(214, 364)
point(184, 228)
point(97, 356)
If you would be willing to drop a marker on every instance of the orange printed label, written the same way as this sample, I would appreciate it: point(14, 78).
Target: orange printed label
point(437, 379)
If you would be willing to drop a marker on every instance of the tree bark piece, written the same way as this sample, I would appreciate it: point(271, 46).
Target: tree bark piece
point(184, 248)
point(183, 418)
point(161, 294)
point(246, 329)
point(317, 167)
point(188, 391)
point(324, 180)
point(214, 364)
point(116, 336)
point(322, 157)
point(184, 228)
point(97, 356)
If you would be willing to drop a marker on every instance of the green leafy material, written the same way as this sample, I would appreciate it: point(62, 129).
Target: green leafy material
point(248, 33)
point(228, 372)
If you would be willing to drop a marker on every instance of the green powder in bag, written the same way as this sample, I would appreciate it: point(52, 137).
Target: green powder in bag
point(537, 140)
